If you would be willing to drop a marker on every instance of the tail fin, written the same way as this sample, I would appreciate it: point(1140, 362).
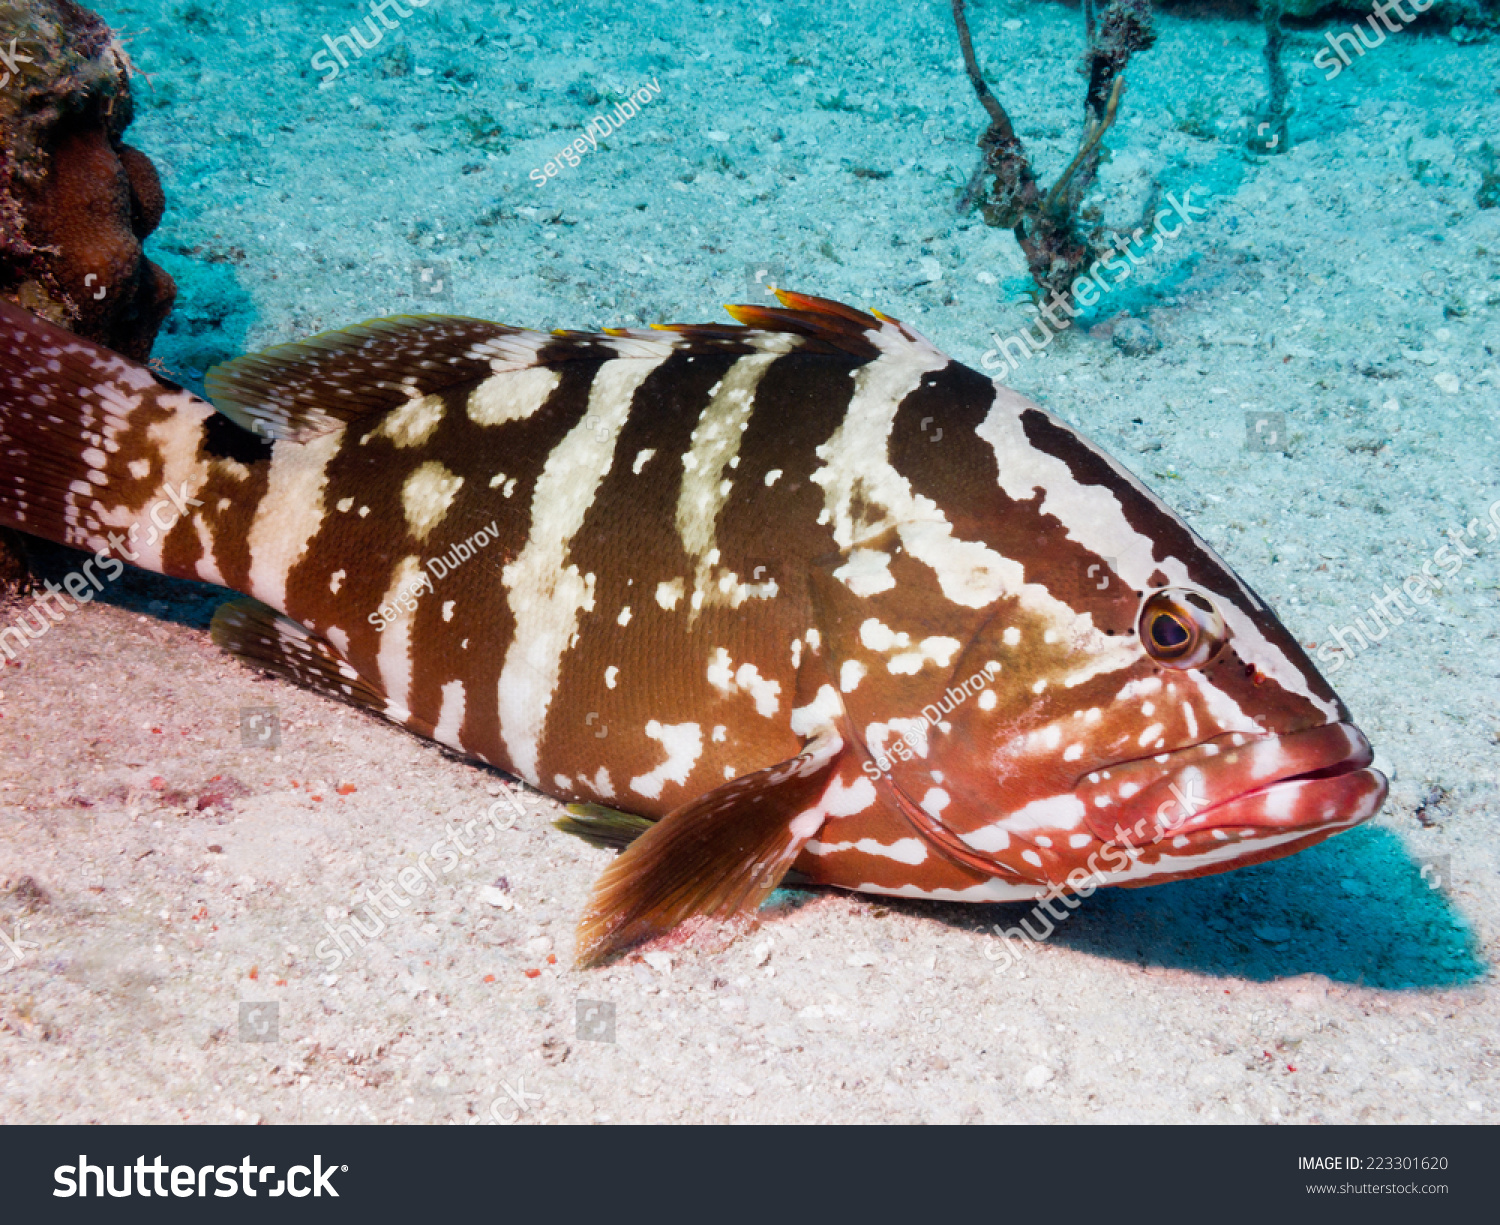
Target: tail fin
point(97, 454)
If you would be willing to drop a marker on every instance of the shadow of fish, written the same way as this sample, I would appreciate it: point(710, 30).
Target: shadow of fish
point(802, 593)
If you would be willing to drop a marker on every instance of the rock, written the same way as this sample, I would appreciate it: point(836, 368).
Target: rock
point(1038, 1076)
point(75, 200)
point(1134, 338)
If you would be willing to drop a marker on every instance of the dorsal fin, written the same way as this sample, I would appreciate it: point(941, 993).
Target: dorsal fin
point(830, 323)
point(300, 390)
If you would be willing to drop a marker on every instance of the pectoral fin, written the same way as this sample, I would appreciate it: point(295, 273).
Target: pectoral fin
point(265, 639)
point(719, 856)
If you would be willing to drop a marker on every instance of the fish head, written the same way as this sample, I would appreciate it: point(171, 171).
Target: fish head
point(1180, 725)
point(1119, 702)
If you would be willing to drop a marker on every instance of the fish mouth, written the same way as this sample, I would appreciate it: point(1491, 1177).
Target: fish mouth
point(1310, 780)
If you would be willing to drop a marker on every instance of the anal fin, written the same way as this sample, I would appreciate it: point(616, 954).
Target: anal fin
point(719, 856)
point(265, 639)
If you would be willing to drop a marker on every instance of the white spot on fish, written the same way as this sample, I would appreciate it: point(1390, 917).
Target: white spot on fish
point(936, 650)
point(878, 636)
point(763, 691)
point(723, 676)
point(1057, 812)
point(668, 594)
point(818, 714)
point(642, 458)
point(721, 671)
point(849, 800)
point(1011, 636)
point(935, 801)
point(412, 423)
point(624, 617)
point(335, 581)
point(866, 573)
point(683, 743)
point(512, 396)
point(851, 672)
point(610, 674)
point(988, 700)
point(426, 496)
point(772, 477)
point(988, 837)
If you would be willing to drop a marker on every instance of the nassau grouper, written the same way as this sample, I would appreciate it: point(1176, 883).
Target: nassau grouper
point(799, 595)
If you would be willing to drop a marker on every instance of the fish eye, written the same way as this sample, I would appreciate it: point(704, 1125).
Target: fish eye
point(1181, 629)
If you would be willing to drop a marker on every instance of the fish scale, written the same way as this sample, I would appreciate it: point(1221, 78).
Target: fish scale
point(804, 594)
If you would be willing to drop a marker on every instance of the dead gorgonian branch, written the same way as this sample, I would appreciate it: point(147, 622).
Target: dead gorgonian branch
point(1270, 135)
point(1005, 187)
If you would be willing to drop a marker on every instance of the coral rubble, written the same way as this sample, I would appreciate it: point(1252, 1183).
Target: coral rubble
point(75, 201)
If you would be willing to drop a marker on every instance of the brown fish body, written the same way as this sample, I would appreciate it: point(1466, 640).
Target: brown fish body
point(805, 592)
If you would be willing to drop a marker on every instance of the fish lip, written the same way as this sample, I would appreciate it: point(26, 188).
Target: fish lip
point(1308, 779)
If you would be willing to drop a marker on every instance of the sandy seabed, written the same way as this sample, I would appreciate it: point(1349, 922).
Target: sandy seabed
point(165, 886)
